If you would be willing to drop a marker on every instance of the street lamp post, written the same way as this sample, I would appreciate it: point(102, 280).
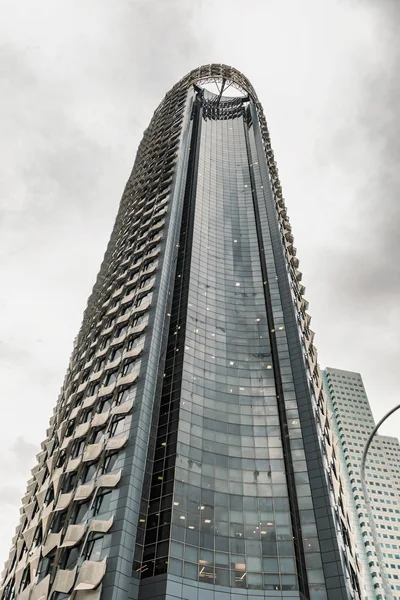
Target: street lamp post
point(379, 554)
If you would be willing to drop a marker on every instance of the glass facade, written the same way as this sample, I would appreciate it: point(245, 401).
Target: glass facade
point(190, 454)
point(230, 511)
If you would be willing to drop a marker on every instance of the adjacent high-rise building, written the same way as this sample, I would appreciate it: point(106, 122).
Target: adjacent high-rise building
point(190, 454)
point(353, 424)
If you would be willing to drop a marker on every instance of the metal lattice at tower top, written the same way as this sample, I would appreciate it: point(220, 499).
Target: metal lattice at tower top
point(190, 453)
point(149, 158)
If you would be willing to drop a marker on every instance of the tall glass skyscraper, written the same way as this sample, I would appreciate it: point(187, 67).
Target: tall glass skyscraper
point(190, 454)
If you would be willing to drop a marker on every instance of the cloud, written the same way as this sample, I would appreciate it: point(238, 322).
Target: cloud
point(374, 213)
point(24, 453)
point(10, 495)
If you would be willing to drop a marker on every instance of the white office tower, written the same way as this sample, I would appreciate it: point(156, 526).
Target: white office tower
point(354, 422)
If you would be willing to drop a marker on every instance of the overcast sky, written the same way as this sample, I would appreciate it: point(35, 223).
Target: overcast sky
point(79, 81)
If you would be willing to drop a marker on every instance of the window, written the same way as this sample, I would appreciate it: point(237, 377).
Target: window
point(38, 538)
point(115, 354)
point(139, 301)
point(46, 566)
point(117, 426)
point(100, 364)
point(93, 547)
point(61, 459)
point(105, 404)
point(26, 578)
point(126, 309)
point(138, 320)
point(151, 249)
point(97, 436)
point(110, 378)
point(93, 389)
point(85, 376)
point(77, 448)
point(70, 428)
point(102, 503)
point(110, 463)
point(70, 558)
point(135, 341)
point(85, 415)
point(58, 522)
point(121, 330)
point(129, 367)
point(129, 290)
point(88, 473)
point(24, 550)
point(69, 483)
point(123, 395)
point(81, 512)
point(150, 264)
point(103, 342)
point(49, 495)
point(145, 281)
point(77, 401)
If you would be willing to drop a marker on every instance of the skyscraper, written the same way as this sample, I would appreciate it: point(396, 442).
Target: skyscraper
point(190, 453)
point(354, 422)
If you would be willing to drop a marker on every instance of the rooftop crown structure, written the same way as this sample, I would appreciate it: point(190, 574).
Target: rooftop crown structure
point(190, 454)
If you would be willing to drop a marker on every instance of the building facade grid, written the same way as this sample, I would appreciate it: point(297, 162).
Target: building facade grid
point(354, 423)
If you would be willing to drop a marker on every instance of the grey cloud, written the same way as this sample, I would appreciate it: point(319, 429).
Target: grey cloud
point(24, 453)
point(14, 67)
point(368, 264)
point(10, 495)
point(8, 352)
